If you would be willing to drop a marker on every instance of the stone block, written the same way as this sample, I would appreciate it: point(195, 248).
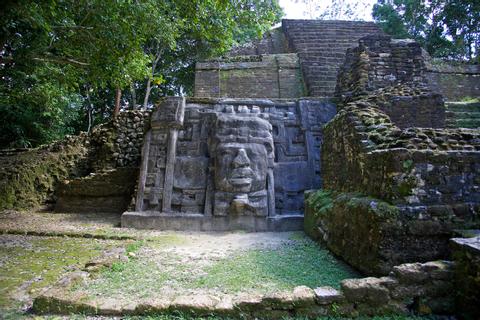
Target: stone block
point(152, 306)
point(303, 296)
point(327, 295)
point(411, 273)
point(248, 302)
point(375, 291)
point(197, 304)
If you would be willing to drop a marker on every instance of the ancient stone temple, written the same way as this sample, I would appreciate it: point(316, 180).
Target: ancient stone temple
point(229, 164)
point(242, 152)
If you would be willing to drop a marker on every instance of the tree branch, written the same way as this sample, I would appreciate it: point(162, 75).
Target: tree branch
point(61, 60)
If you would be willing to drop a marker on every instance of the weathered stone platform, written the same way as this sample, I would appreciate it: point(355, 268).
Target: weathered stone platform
point(200, 222)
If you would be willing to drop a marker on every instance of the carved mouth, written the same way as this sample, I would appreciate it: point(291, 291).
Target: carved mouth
point(241, 177)
point(241, 181)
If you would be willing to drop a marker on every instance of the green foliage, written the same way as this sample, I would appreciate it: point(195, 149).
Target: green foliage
point(62, 61)
point(407, 164)
point(447, 29)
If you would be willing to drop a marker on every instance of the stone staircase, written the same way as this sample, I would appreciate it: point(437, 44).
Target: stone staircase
point(462, 114)
point(104, 191)
point(321, 46)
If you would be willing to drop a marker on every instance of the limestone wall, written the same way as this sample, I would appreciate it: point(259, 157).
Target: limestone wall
point(454, 80)
point(379, 62)
point(466, 252)
point(374, 235)
point(264, 76)
point(401, 166)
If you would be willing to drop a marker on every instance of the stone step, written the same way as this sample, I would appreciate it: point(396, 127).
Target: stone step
point(463, 106)
point(463, 123)
point(105, 191)
point(321, 46)
point(462, 115)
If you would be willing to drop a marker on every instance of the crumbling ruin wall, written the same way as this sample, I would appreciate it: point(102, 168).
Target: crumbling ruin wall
point(410, 289)
point(272, 42)
point(265, 76)
point(276, 66)
point(111, 181)
point(43, 175)
point(29, 178)
point(399, 181)
point(466, 254)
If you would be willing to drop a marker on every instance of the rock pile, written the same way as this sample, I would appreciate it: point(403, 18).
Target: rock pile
point(130, 127)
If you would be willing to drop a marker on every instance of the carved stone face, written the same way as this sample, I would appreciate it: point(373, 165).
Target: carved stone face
point(241, 167)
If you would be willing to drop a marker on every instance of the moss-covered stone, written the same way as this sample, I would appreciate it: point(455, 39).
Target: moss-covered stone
point(28, 179)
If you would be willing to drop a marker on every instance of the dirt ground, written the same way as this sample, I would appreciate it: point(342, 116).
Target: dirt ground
point(37, 248)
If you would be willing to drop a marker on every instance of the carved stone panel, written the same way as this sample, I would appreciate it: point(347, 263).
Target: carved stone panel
point(232, 158)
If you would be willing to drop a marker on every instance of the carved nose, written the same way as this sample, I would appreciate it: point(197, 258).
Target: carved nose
point(241, 160)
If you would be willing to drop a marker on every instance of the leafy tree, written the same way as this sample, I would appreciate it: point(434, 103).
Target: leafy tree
point(446, 28)
point(62, 62)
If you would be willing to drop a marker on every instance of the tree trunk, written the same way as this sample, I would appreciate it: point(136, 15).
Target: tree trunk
point(147, 93)
point(118, 97)
point(158, 55)
point(89, 112)
point(134, 96)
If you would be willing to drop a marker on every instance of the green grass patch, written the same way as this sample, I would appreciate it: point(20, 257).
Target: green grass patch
point(301, 263)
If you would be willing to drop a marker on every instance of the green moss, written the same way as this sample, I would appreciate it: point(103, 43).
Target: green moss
point(378, 207)
point(29, 178)
point(320, 201)
point(31, 263)
point(470, 100)
point(407, 164)
point(406, 185)
point(323, 201)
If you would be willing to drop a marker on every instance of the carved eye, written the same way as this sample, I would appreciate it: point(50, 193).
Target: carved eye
point(224, 152)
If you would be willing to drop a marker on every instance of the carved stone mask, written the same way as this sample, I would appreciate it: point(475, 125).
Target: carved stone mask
point(241, 167)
